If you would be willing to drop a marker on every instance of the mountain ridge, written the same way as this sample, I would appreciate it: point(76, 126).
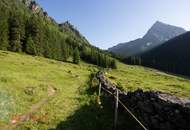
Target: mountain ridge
point(155, 36)
point(65, 27)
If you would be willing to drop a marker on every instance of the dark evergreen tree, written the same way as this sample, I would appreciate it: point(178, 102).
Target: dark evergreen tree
point(33, 28)
point(14, 34)
point(113, 64)
point(47, 51)
point(65, 51)
point(3, 33)
point(22, 29)
point(30, 46)
point(76, 56)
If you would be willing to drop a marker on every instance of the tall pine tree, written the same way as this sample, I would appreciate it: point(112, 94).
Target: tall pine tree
point(30, 46)
point(14, 34)
point(33, 28)
point(113, 64)
point(76, 56)
point(65, 51)
point(3, 33)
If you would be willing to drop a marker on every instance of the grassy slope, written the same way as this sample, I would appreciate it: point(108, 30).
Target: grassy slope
point(134, 77)
point(25, 80)
point(20, 73)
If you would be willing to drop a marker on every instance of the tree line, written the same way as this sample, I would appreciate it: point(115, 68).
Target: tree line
point(161, 63)
point(23, 31)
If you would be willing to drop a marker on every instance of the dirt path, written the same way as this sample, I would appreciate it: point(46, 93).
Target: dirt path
point(29, 115)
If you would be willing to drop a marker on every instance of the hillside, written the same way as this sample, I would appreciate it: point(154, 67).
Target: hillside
point(26, 27)
point(156, 35)
point(26, 80)
point(59, 92)
point(172, 56)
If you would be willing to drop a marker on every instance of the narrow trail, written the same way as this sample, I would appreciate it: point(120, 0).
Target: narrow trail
point(29, 115)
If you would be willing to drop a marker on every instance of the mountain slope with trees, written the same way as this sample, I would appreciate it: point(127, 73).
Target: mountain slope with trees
point(25, 27)
point(173, 56)
point(156, 35)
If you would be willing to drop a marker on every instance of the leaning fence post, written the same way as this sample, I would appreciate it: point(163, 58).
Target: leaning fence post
point(116, 110)
point(99, 93)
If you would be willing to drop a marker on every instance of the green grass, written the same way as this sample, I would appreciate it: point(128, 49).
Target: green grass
point(134, 77)
point(25, 80)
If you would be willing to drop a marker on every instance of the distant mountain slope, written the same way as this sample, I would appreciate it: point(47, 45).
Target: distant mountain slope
point(172, 56)
point(156, 35)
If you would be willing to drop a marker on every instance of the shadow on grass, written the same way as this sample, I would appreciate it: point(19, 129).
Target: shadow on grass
point(94, 117)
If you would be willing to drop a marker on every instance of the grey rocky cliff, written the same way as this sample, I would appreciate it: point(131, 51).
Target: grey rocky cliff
point(37, 9)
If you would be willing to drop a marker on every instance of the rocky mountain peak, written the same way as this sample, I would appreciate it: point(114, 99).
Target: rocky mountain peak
point(157, 23)
point(156, 35)
point(162, 32)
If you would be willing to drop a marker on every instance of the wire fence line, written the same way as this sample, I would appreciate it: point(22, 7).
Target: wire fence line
point(124, 106)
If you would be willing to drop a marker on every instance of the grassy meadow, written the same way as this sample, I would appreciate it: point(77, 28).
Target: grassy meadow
point(61, 88)
point(133, 77)
point(25, 80)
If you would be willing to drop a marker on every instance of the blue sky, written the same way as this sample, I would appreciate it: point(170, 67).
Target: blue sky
point(108, 22)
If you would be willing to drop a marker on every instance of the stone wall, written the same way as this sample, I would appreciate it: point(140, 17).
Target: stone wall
point(156, 110)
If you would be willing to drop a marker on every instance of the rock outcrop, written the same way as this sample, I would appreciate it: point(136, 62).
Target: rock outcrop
point(157, 110)
point(31, 4)
point(37, 9)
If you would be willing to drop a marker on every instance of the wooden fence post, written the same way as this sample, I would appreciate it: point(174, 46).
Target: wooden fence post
point(99, 94)
point(116, 110)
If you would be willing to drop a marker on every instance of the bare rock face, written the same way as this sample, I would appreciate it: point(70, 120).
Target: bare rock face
point(37, 9)
point(31, 4)
point(156, 110)
point(27, 2)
